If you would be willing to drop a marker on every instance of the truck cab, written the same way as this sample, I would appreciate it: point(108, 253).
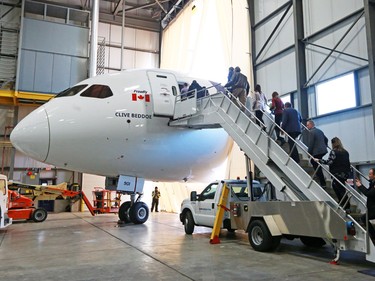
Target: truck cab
point(200, 209)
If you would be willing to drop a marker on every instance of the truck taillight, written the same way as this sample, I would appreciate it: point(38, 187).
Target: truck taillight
point(350, 228)
point(236, 210)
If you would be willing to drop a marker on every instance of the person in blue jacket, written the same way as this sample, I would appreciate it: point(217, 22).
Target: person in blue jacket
point(291, 124)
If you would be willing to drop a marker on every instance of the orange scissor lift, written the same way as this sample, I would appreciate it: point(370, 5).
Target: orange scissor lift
point(105, 201)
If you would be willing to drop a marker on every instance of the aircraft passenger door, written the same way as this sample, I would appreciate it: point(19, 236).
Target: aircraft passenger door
point(206, 206)
point(164, 89)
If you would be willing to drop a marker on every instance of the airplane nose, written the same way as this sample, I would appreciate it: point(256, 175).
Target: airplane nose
point(31, 135)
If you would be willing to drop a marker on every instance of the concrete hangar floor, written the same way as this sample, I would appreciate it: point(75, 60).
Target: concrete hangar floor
point(77, 246)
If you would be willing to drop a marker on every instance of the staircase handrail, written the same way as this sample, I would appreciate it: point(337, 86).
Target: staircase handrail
point(351, 166)
point(349, 189)
point(352, 191)
point(236, 116)
point(194, 92)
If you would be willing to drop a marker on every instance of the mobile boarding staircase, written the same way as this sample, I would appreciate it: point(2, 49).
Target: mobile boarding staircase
point(288, 177)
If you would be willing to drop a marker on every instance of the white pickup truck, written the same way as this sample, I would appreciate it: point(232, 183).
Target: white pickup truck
point(201, 208)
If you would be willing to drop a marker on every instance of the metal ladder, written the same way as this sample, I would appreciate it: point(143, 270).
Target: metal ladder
point(288, 177)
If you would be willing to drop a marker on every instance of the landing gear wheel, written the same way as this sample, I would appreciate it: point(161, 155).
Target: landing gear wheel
point(260, 237)
point(39, 215)
point(123, 213)
point(188, 223)
point(138, 213)
point(313, 242)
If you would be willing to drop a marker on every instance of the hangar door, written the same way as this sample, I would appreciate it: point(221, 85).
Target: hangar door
point(164, 90)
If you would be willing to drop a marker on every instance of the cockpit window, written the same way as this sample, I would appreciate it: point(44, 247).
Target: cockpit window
point(97, 91)
point(71, 91)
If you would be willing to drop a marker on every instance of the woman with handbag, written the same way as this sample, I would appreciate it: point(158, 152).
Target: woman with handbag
point(339, 166)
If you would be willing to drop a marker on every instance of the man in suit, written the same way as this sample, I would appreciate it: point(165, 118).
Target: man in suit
point(291, 124)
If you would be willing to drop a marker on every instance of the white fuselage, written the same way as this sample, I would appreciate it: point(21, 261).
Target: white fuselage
point(126, 133)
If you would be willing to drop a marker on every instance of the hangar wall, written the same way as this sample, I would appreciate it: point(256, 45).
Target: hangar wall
point(9, 33)
point(208, 37)
point(53, 65)
point(141, 47)
point(335, 43)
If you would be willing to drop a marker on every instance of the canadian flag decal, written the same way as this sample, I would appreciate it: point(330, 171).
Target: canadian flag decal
point(136, 97)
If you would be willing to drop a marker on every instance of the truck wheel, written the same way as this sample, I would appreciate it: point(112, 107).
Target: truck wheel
point(123, 212)
point(39, 215)
point(260, 237)
point(188, 223)
point(313, 242)
point(138, 213)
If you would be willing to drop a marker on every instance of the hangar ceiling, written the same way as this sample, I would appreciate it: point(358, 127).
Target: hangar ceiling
point(150, 15)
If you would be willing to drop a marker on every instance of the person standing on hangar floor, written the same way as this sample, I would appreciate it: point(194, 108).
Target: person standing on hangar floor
point(155, 199)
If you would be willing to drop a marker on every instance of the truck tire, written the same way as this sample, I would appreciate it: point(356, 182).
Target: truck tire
point(313, 242)
point(138, 213)
point(123, 212)
point(39, 215)
point(260, 237)
point(188, 223)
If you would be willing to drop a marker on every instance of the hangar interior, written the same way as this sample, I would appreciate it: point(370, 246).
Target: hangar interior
point(297, 48)
point(317, 54)
point(338, 44)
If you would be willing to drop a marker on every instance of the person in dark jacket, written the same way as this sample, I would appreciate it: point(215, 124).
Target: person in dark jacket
point(339, 166)
point(277, 108)
point(238, 85)
point(291, 124)
point(370, 194)
point(230, 73)
point(317, 147)
point(195, 86)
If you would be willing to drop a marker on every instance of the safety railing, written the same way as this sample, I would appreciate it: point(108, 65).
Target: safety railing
point(350, 192)
point(302, 183)
point(348, 188)
point(297, 144)
point(186, 104)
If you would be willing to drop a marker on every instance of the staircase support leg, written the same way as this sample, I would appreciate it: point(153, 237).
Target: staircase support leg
point(336, 259)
